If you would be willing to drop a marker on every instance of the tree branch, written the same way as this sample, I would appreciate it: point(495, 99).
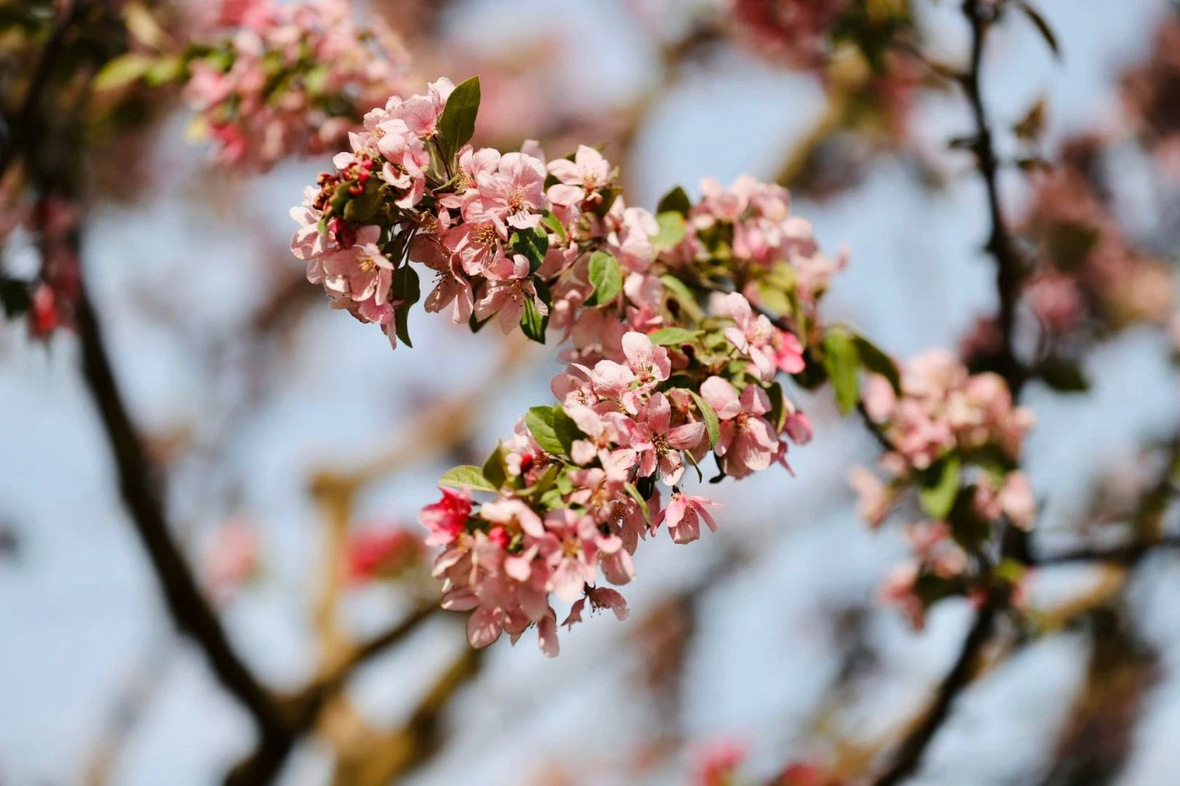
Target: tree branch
point(24, 126)
point(188, 608)
point(1010, 272)
point(1010, 267)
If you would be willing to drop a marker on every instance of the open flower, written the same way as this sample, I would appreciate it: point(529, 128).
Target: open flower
point(747, 443)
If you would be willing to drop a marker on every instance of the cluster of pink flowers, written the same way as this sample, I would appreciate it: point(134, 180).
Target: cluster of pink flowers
point(575, 488)
point(797, 31)
point(272, 79)
point(956, 438)
point(671, 354)
point(382, 552)
point(1090, 275)
point(1149, 96)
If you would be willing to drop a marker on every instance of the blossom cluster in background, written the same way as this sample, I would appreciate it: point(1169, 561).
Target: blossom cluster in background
point(673, 355)
point(956, 438)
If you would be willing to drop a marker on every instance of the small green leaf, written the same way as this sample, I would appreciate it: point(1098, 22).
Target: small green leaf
point(675, 201)
point(673, 336)
point(532, 245)
point(361, 209)
point(401, 325)
point(406, 287)
point(1063, 375)
point(533, 322)
point(495, 469)
point(672, 231)
point(606, 275)
point(693, 463)
point(14, 297)
point(556, 227)
point(635, 495)
point(876, 361)
point(680, 292)
point(778, 406)
point(540, 423)
point(712, 423)
point(456, 126)
point(841, 361)
point(940, 487)
point(565, 429)
point(122, 71)
point(476, 325)
point(466, 476)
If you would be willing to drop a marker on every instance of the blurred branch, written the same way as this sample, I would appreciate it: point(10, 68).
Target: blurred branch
point(24, 124)
point(1010, 267)
point(909, 754)
point(371, 758)
point(189, 609)
point(1010, 271)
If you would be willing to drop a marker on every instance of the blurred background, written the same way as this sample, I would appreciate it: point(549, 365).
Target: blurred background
point(297, 449)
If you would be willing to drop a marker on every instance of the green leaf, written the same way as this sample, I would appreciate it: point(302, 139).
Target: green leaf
point(122, 71)
point(1063, 375)
point(406, 286)
point(673, 336)
point(672, 230)
point(495, 469)
point(361, 209)
point(606, 275)
point(456, 126)
point(693, 463)
point(540, 422)
point(635, 495)
point(876, 361)
point(565, 429)
point(680, 292)
point(712, 423)
point(778, 406)
point(476, 325)
point(532, 245)
point(556, 227)
point(401, 325)
point(15, 297)
point(940, 487)
point(675, 201)
point(841, 361)
point(533, 322)
point(466, 476)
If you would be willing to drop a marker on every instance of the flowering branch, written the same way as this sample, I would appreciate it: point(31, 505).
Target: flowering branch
point(1010, 271)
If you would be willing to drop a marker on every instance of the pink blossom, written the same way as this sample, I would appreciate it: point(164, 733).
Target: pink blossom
point(447, 518)
point(748, 443)
point(578, 180)
point(683, 516)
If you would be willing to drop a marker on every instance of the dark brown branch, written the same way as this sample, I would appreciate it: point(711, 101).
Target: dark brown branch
point(189, 610)
point(1010, 272)
point(24, 124)
point(1010, 267)
point(909, 755)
